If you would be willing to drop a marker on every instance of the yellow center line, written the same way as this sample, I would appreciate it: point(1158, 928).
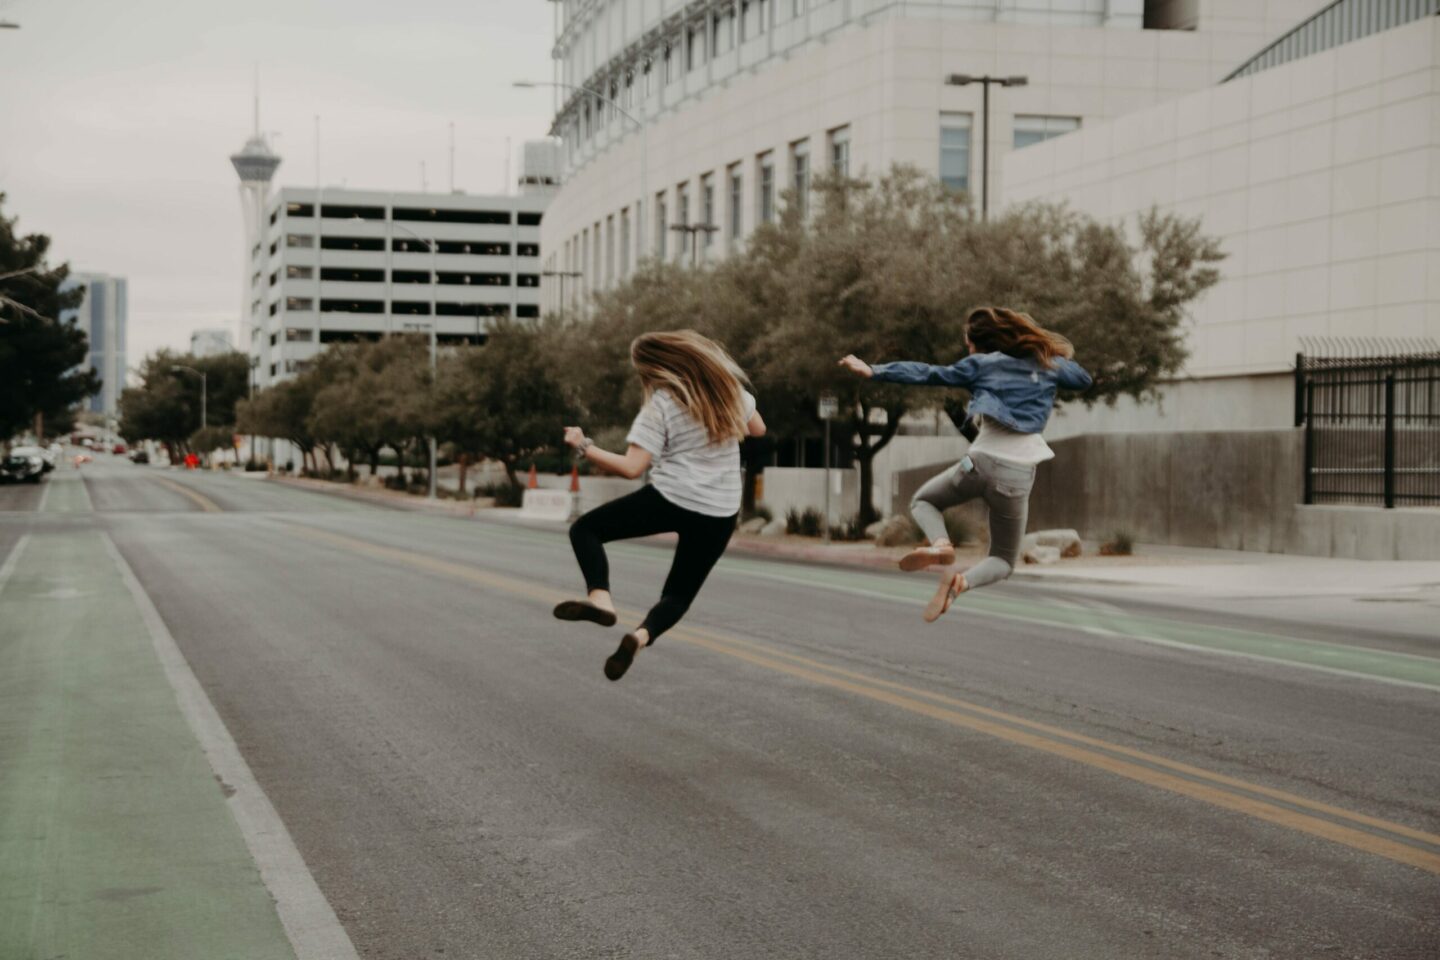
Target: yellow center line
point(1037, 736)
point(199, 499)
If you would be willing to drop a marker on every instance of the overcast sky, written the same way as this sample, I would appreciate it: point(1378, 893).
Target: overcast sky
point(118, 117)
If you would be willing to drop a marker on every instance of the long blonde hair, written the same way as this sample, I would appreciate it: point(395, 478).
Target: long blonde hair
point(997, 329)
point(699, 374)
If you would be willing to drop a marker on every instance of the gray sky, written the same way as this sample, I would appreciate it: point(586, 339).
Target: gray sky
point(118, 117)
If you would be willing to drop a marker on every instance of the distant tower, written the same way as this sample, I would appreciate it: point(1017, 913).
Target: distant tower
point(255, 163)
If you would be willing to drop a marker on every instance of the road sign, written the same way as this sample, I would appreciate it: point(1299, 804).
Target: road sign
point(829, 406)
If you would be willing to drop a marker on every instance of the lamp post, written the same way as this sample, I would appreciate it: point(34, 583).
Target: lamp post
point(644, 148)
point(204, 389)
point(961, 80)
point(563, 275)
point(690, 230)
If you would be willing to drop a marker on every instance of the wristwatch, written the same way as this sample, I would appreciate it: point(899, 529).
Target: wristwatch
point(585, 446)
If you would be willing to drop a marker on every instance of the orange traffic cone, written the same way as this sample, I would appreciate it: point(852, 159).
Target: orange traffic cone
point(574, 478)
point(534, 483)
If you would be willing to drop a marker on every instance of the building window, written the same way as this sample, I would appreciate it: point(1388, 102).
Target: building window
point(298, 335)
point(682, 218)
point(645, 75)
point(734, 222)
point(529, 219)
point(625, 243)
point(409, 308)
point(299, 209)
point(800, 174)
point(707, 206)
point(609, 250)
point(273, 308)
point(410, 245)
point(297, 240)
point(274, 278)
point(352, 243)
point(840, 151)
point(293, 272)
point(345, 305)
point(435, 215)
point(955, 150)
point(352, 275)
point(595, 264)
point(629, 89)
point(274, 215)
point(661, 226)
point(351, 212)
point(669, 58)
point(1035, 129)
point(527, 249)
point(765, 187)
point(299, 303)
point(694, 47)
point(410, 276)
point(527, 279)
point(527, 311)
point(457, 278)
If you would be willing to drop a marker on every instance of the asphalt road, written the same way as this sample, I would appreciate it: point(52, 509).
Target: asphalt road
point(803, 769)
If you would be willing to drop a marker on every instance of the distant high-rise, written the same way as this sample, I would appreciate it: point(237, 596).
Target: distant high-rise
point(255, 164)
point(102, 315)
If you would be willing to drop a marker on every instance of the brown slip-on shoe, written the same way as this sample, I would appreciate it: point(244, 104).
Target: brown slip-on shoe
point(619, 661)
point(950, 588)
point(922, 557)
point(584, 610)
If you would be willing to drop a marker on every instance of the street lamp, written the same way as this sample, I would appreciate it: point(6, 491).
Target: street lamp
point(964, 79)
point(691, 229)
point(563, 275)
point(644, 147)
point(204, 389)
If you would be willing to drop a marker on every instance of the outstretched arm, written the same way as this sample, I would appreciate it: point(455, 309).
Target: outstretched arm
point(959, 374)
point(1071, 376)
point(632, 464)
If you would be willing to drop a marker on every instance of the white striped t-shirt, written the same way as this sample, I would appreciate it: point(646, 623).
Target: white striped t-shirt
point(687, 469)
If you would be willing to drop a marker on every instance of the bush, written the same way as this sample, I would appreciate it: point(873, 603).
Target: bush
point(253, 466)
point(850, 530)
point(1120, 544)
point(763, 512)
point(900, 531)
point(957, 527)
point(506, 494)
point(806, 524)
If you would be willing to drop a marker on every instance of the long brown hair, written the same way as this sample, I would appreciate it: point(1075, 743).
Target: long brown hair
point(699, 374)
point(998, 329)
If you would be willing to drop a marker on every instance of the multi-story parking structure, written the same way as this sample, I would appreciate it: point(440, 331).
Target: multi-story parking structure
point(683, 112)
point(337, 265)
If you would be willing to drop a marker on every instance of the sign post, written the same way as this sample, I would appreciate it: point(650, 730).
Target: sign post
point(829, 405)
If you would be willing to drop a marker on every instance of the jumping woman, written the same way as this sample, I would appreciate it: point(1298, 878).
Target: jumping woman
point(688, 433)
point(1013, 370)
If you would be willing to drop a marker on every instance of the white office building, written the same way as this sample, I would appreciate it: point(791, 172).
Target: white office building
point(103, 315)
point(679, 113)
point(1317, 165)
point(338, 266)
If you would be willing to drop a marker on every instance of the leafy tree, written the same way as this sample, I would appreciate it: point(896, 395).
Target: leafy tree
point(283, 410)
point(40, 356)
point(165, 406)
point(372, 395)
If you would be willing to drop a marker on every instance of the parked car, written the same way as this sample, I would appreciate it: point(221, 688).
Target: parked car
point(22, 468)
point(118, 449)
point(139, 456)
point(47, 457)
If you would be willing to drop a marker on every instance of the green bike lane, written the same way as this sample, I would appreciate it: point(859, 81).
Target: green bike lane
point(116, 837)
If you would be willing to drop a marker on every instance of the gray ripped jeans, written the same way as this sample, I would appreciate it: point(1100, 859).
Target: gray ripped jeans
point(1006, 489)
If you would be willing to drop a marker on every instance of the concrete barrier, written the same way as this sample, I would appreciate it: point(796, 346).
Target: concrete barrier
point(547, 504)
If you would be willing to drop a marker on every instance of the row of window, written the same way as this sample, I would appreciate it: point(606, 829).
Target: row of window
point(400, 307)
point(372, 275)
point(595, 258)
point(335, 211)
point(477, 248)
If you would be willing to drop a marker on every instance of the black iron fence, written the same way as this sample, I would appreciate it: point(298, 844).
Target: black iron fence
point(1372, 427)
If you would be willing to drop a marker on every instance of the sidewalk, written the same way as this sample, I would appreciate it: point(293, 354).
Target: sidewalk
point(1186, 570)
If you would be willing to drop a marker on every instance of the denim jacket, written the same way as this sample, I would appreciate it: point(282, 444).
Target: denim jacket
point(1014, 392)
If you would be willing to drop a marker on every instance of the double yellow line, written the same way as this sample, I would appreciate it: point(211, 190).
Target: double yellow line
point(1373, 835)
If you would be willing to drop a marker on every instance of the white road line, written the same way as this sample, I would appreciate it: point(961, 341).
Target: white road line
point(315, 932)
point(11, 561)
point(45, 494)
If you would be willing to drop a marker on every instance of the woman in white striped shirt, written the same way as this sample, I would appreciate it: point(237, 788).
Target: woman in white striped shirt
point(688, 434)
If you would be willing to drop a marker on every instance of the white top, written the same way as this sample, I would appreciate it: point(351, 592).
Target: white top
point(687, 469)
point(1002, 443)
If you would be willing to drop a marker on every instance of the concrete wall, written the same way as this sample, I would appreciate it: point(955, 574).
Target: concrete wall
point(798, 488)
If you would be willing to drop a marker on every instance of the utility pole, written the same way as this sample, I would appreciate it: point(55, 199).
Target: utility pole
point(690, 230)
point(961, 80)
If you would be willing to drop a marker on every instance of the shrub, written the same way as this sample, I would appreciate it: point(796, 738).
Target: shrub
point(506, 494)
point(849, 530)
point(957, 527)
point(1120, 544)
point(899, 530)
point(254, 466)
point(764, 513)
point(806, 524)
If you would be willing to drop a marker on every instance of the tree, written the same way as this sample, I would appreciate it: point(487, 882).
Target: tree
point(165, 406)
point(372, 395)
point(283, 410)
point(40, 356)
point(504, 398)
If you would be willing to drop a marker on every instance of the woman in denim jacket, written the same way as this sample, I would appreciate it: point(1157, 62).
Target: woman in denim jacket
point(1014, 368)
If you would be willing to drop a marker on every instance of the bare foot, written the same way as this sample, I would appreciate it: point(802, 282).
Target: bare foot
point(951, 586)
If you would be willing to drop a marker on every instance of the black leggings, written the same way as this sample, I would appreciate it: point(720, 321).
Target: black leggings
point(640, 514)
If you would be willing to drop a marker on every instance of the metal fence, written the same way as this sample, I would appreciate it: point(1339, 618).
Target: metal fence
point(1372, 428)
